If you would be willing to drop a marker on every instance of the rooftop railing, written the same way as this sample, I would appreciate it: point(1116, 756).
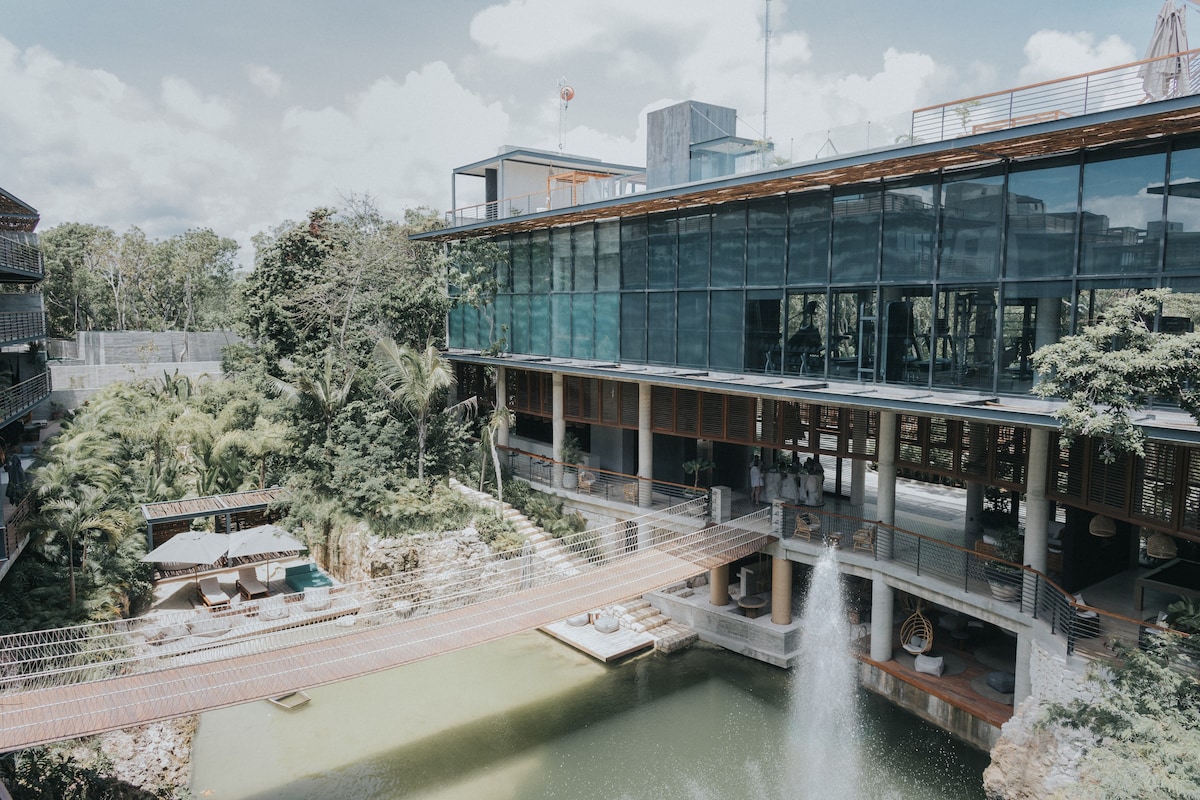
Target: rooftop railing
point(593, 191)
point(19, 252)
point(1087, 93)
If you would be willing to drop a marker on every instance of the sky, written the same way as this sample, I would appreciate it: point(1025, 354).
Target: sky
point(237, 115)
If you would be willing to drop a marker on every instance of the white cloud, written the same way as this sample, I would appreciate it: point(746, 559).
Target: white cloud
point(185, 100)
point(1054, 54)
point(265, 79)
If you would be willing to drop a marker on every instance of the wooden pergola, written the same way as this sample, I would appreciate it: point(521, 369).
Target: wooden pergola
point(231, 512)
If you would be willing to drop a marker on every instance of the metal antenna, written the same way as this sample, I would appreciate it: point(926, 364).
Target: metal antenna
point(766, 62)
point(565, 93)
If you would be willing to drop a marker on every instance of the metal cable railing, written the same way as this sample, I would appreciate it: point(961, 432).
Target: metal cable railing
point(20, 252)
point(1083, 629)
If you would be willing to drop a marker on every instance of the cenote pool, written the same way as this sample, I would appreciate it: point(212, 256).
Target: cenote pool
point(526, 717)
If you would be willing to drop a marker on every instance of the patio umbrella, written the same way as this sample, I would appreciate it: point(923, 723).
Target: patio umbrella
point(190, 547)
point(261, 540)
point(1167, 77)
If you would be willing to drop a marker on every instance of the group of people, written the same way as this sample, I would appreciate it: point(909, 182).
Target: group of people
point(812, 466)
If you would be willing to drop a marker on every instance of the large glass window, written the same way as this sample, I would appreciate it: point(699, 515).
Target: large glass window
point(808, 238)
point(633, 253)
point(583, 246)
point(1095, 297)
point(907, 348)
point(962, 342)
point(856, 220)
point(520, 338)
point(560, 338)
point(539, 324)
point(1035, 315)
point(1122, 220)
point(663, 249)
point(470, 319)
point(729, 245)
point(660, 327)
point(608, 256)
point(539, 261)
point(560, 259)
point(693, 250)
point(806, 329)
point(853, 334)
point(500, 321)
point(972, 216)
point(1183, 210)
point(766, 237)
point(582, 316)
point(1042, 205)
point(725, 331)
point(764, 330)
point(519, 255)
point(692, 322)
point(909, 231)
point(607, 316)
point(633, 327)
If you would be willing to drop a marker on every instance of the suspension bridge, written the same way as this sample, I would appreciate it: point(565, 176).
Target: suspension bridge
point(86, 680)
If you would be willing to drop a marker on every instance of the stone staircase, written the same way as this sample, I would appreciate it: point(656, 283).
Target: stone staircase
point(545, 547)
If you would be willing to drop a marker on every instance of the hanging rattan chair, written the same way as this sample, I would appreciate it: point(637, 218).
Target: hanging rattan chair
point(916, 634)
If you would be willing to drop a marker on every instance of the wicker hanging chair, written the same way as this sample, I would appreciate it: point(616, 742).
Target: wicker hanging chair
point(916, 634)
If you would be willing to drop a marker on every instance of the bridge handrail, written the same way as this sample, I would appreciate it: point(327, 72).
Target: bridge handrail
point(1072, 621)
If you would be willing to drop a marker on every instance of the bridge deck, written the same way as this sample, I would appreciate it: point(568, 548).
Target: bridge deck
point(51, 714)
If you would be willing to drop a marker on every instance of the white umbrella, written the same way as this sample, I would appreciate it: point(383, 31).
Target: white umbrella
point(190, 547)
point(1167, 77)
point(263, 539)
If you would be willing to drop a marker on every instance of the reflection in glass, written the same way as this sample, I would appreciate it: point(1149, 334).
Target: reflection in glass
point(908, 231)
point(1183, 210)
point(608, 311)
point(560, 259)
point(520, 324)
point(633, 253)
point(808, 238)
point(633, 327)
point(1181, 312)
point(583, 245)
point(519, 256)
point(693, 250)
point(693, 329)
point(660, 327)
point(1042, 206)
point(539, 261)
point(962, 340)
point(729, 245)
point(972, 216)
point(582, 334)
point(725, 331)
point(852, 335)
point(765, 256)
point(806, 326)
point(662, 250)
point(608, 256)
point(1096, 297)
point(856, 220)
point(560, 315)
point(1122, 221)
point(1035, 315)
point(539, 324)
point(905, 327)
point(764, 326)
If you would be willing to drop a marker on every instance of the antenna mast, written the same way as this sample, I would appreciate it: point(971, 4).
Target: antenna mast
point(565, 93)
point(766, 63)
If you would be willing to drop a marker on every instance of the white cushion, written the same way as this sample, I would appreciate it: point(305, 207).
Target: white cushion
point(607, 625)
point(931, 665)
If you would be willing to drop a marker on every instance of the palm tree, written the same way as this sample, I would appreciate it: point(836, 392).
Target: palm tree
point(413, 380)
point(501, 417)
point(81, 516)
point(324, 394)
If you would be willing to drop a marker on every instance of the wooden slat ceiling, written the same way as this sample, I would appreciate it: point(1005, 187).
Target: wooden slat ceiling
point(206, 506)
point(1050, 139)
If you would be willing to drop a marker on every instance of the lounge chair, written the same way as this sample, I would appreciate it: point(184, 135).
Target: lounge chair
point(273, 608)
point(249, 584)
point(211, 594)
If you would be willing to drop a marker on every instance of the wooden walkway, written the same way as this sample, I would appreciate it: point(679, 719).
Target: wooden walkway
point(52, 714)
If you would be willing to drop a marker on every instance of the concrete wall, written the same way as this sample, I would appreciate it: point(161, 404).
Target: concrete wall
point(74, 384)
point(671, 132)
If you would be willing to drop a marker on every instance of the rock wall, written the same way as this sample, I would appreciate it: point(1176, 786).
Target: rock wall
point(1034, 759)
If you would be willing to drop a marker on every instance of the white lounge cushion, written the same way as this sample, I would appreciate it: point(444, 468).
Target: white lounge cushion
point(316, 598)
point(931, 665)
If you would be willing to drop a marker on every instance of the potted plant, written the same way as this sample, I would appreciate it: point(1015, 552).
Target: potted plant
point(694, 468)
point(572, 456)
point(1005, 578)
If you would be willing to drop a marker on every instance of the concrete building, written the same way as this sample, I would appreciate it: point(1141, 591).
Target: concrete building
point(876, 309)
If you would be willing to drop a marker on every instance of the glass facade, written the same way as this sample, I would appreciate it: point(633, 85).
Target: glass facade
point(949, 280)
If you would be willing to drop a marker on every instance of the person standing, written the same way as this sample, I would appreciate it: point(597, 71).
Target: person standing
point(756, 482)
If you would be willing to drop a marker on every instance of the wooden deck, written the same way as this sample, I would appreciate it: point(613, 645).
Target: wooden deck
point(600, 646)
point(52, 714)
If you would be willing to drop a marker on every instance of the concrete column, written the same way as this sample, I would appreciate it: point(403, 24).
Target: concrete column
point(1024, 685)
point(858, 482)
point(718, 585)
point(974, 511)
point(502, 402)
point(559, 427)
point(1046, 325)
point(646, 449)
point(882, 607)
point(781, 591)
point(1037, 513)
point(885, 499)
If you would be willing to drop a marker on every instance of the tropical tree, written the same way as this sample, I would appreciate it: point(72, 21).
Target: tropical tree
point(1114, 367)
point(82, 517)
point(501, 418)
point(414, 381)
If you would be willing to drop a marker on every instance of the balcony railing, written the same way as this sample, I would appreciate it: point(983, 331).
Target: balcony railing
point(17, 400)
point(22, 326)
point(1080, 627)
point(19, 252)
point(593, 191)
point(1103, 90)
point(598, 483)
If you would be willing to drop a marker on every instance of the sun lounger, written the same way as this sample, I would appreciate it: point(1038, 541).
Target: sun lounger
point(211, 594)
point(249, 584)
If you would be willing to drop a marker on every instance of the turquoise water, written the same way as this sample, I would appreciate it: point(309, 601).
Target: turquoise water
point(526, 717)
